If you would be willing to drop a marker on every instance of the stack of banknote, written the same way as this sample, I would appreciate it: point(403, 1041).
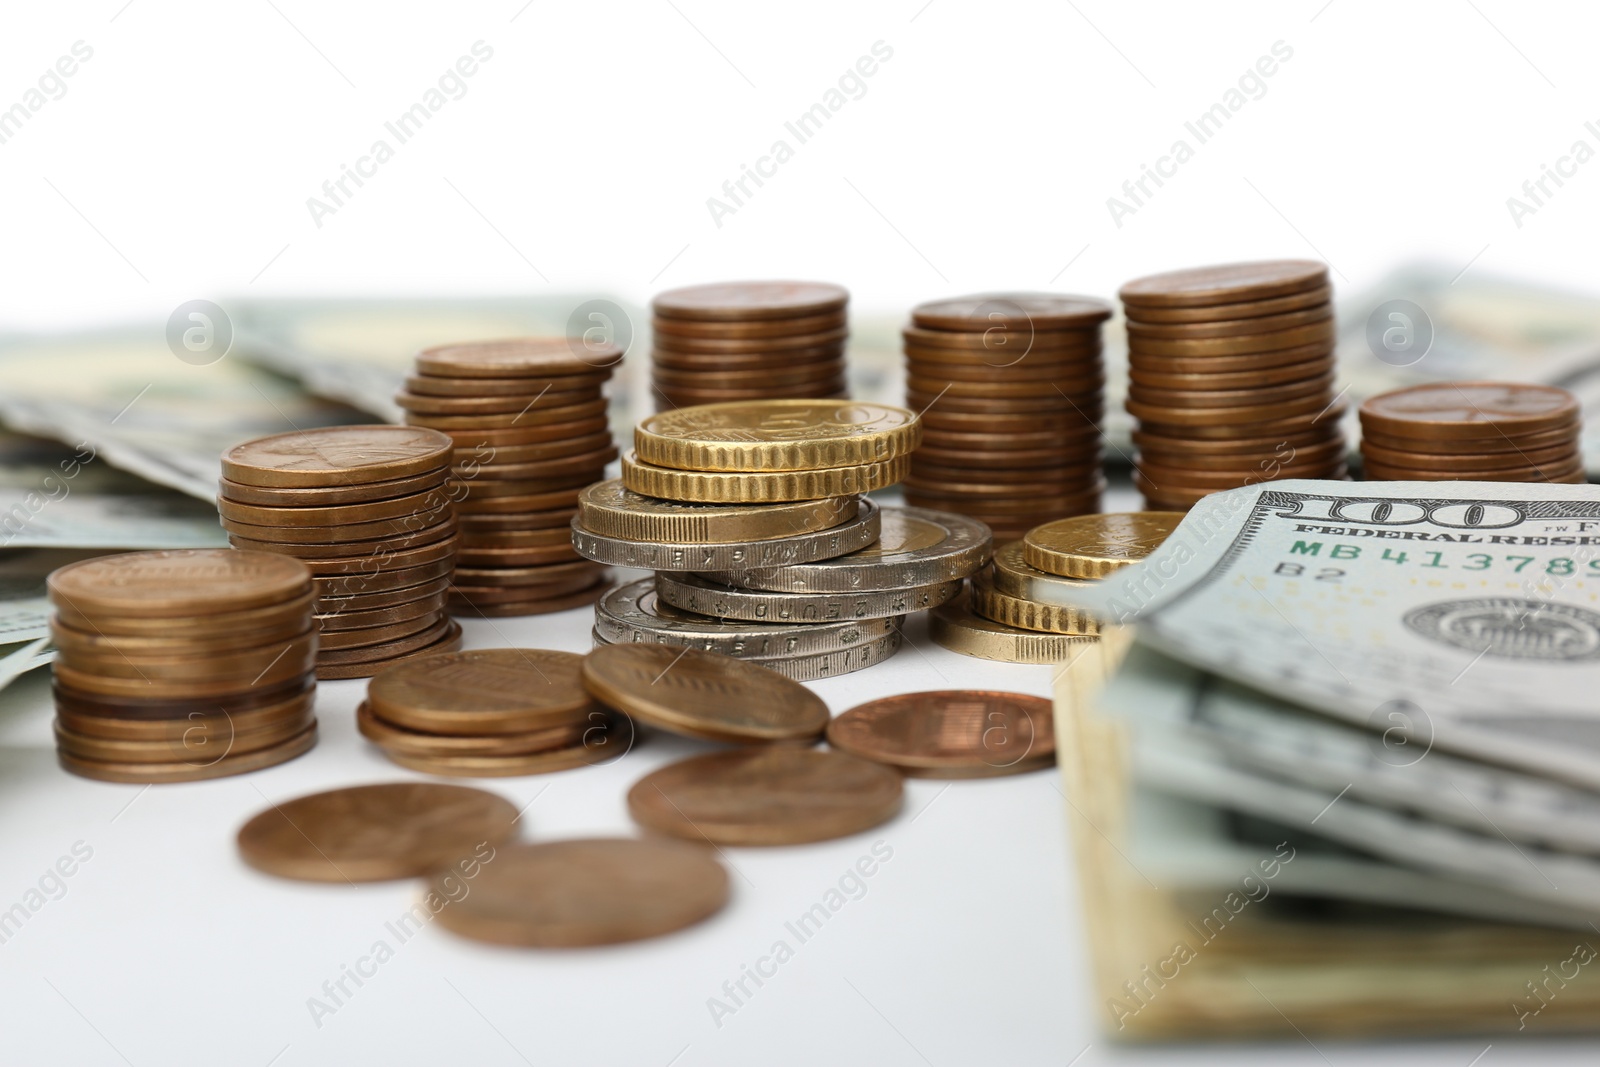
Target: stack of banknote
point(1343, 772)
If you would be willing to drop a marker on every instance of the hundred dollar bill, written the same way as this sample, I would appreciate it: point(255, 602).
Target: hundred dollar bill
point(1471, 607)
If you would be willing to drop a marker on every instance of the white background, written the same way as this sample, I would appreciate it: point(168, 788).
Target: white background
point(178, 165)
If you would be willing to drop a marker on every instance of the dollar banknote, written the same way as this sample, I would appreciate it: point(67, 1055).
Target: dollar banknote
point(1460, 615)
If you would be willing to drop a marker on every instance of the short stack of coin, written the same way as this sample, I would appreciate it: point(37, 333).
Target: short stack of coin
point(495, 712)
point(1018, 609)
point(367, 509)
point(760, 493)
point(1231, 376)
point(182, 665)
point(529, 424)
point(1011, 390)
point(748, 341)
point(1478, 431)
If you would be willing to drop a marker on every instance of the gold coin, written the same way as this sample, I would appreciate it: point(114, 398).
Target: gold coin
point(1092, 546)
point(596, 891)
point(956, 627)
point(376, 833)
point(703, 694)
point(776, 435)
point(1028, 614)
point(761, 487)
point(484, 691)
point(336, 456)
point(182, 582)
point(1015, 577)
point(774, 795)
point(951, 733)
point(196, 771)
point(610, 509)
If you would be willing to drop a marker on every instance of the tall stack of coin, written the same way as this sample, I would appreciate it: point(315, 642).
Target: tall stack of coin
point(748, 341)
point(1019, 608)
point(1480, 431)
point(759, 494)
point(367, 509)
point(529, 424)
point(1231, 376)
point(1010, 387)
point(182, 665)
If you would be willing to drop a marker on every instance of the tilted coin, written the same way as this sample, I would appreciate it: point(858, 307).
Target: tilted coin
point(742, 301)
point(1225, 284)
point(633, 613)
point(1024, 614)
point(761, 487)
point(196, 770)
point(374, 833)
point(766, 796)
point(596, 891)
point(1456, 411)
point(915, 547)
point(703, 694)
point(1092, 546)
point(517, 357)
point(956, 627)
point(482, 691)
point(849, 536)
point(336, 455)
point(177, 582)
point(692, 592)
point(775, 435)
point(1014, 311)
point(951, 733)
point(610, 509)
point(1014, 576)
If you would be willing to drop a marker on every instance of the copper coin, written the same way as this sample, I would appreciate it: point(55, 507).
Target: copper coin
point(1276, 454)
point(1040, 403)
point(1230, 327)
point(1288, 372)
point(1017, 459)
point(999, 441)
point(1321, 386)
point(1001, 389)
point(952, 733)
point(495, 594)
point(1024, 371)
point(1001, 343)
point(317, 555)
point(471, 442)
point(1559, 455)
point(518, 357)
point(330, 622)
point(201, 666)
point(1497, 443)
point(605, 741)
point(1232, 311)
point(178, 582)
point(388, 598)
point(198, 625)
point(379, 579)
point(359, 492)
point(1231, 417)
point(376, 833)
point(745, 301)
point(471, 467)
point(535, 415)
point(703, 694)
point(1230, 283)
point(421, 404)
point(411, 640)
point(1553, 472)
point(709, 394)
point(732, 379)
point(1249, 362)
point(505, 577)
point(821, 323)
point(1012, 311)
point(1001, 506)
point(190, 771)
point(550, 469)
point(508, 505)
point(336, 456)
point(165, 708)
point(156, 687)
point(527, 556)
point(417, 743)
point(490, 488)
point(814, 358)
point(516, 538)
point(484, 691)
point(439, 385)
point(1070, 483)
point(1069, 474)
point(1317, 333)
point(194, 730)
point(536, 605)
point(198, 746)
point(91, 643)
point(1084, 417)
point(378, 530)
point(1456, 411)
point(1167, 479)
point(595, 891)
point(527, 520)
point(751, 345)
point(772, 795)
point(449, 641)
point(1327, 419)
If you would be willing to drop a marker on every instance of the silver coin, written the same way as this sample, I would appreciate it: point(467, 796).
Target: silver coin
point(825, 664)
point(847, 537)
point(633, 613)
point(691, 592)
point(915, 546)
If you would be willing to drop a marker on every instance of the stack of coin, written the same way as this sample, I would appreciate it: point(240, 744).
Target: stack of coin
point(1231, 376)
point(529, 424)
point(748, 341)
point(1010, 386)
point(1479, 431)
point(182, 665)
point(367, 509)
point(1018, 609)
point(494, 712)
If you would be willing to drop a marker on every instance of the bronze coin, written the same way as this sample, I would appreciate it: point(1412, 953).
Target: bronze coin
point(189, 771)
point(951, 733)
point(200, 666)
point(470, 468)
point(377, 579)
point(449, 641)
point(180, 582)
point(1558, 455)
point(385, 599)
point(347, 638)
point(1553, 472)
point(1288, 372)
point(483, 489)
point(595, 891)
point(1456, 411)
point(821, 323)
point(377, 833)
point(360, 492)
point(516, 538)
point(1059, 476)
point(524, 556)
point(604, 741)
point(1000, 441)
point(411, 641)
point(1001, 344)
point(1230, 327)
point(1277, 453)
point(536, 414)
point(585, 463)
point(1232, 283)
point(336, 456)
point(1231, 312)
point(196, 730)
point(1317, 333)
point(471, 443)
point(378, 530)
point(1326, 420)
point(1017, 459)
point(1070, 484)
point(422, 404)
point(157, 687)
point(753, 345)
point(439, 385)
point(708, 394)
point(804, 374)
point(1040, 404)
point(528, 520)
point(1562, 436)
point(489, 691)
point(813, 358)
point(506, 577)
point(703, 694)
point(198, 747)
point(353, 617)
point(318, 555)
point(1084, 417)
point(1002, 506)
point(1230, 417)
point(1250, 362)
point(536, 605)
point(151, 709)
point(1025, 372)
point(518, 357)
point(104, 645)
point(494, 595)
point(746, 301)
point(999, 389)
point(417, 743)
point(1320, 386)
point(771, 795)
point(1011, 311)
point(509, 505)
point(1168, 479)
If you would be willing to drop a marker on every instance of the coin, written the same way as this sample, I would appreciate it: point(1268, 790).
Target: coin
point(318, 554)
point(1474, 446)
point(470, 442)
point(200, 746)
point(195, 729)
point(276, 496)
point(201, 667)
point(186, 771)
point(376, 654)
point(1291, 372)
point(1273, 457)
point(1038, 404)
point(520, 504)
point(818, 665)
point(697, 593)
point(997, 388)
point(1013, 576)
point(416, 743)
point(761, 487)
point(915, 547)
point(424, 404)
point(337, 605)
point(1065, 439)
point(1250, 362)
point(177, 582)
point(540, 604)
point(510, 578)
point(1559, 454)
point(586, 466)
point(1231, 312)
point(774, 795)
point(1570, 471)
point(516, 557)
point(822, 359)
point(664, 328)
point(956, 627)
point(531, 416)
point(528, 520)
point(743, 346)
point(519, 357)
point(1092, 546)
point(776, 435)
point(964, 464)
point(1025, 614)
point(742, 301)
point(602, 742)
point(1459, 410)
point(1324, 435)
point(1080, 469)
point(375, 833)
point(1230, 327)
point(1011, 311)
point(336, 455)
point(444, 385)
point(1317, 333)
point(597, 891)
point(1232, 417)
point(799, 376)
point(1327, 419)
point(1226, 284)
point(703, 694)
point(951, 733)
point(683, 397)
point(307, 538)
point(92, 643)
point(482, 691)
point(609, 509)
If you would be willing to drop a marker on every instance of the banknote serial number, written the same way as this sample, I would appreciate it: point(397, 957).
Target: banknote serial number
point(1428, 559)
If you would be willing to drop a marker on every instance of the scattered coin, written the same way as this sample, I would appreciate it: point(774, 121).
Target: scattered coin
point(952, 733)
